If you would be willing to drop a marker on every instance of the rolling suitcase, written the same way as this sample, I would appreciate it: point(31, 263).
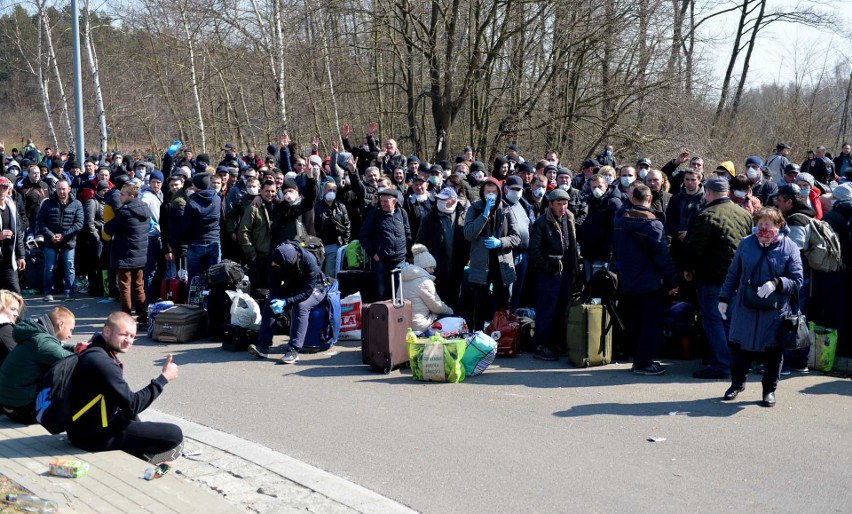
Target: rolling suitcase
point(589, 335)
point(384, 326)
point(180, 324)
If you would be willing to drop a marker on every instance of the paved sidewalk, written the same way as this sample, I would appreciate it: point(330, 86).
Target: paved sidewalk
point(259, 479)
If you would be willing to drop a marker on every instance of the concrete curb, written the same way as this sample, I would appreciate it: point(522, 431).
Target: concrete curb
point(338, 489)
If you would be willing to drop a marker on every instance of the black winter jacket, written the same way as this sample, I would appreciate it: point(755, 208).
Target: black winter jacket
point(293, 274)
point(99, 372)
point(546, 251)
point(331, 223)
point(386, 235)
point(201, 218)
point(56, 218)
point(129, 231)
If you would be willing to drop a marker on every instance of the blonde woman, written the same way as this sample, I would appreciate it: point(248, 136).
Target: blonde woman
point(11, 306)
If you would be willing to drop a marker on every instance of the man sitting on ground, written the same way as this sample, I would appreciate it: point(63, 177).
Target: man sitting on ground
point(115, 425)
point(39, 347)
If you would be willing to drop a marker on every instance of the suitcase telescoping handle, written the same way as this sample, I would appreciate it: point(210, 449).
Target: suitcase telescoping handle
point(396, 274)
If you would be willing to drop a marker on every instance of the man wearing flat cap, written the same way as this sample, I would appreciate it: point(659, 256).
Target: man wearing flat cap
point(442, 233)
point(555, 261)
point(710, 246)
point(385, 237)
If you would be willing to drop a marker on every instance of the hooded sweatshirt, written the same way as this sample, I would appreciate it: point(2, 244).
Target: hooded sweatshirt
point(201, 218)
point(38, 349)
point(129, 230)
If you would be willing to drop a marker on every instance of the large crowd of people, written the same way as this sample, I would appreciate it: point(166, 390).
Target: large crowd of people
point(732, 241)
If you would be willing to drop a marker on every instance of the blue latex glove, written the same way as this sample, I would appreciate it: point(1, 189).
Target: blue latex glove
point(492, 243)
point(277, 306)
point(489, 204)
point(173, 149)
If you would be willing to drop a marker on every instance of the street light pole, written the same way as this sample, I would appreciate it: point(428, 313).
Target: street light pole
point(78, 81)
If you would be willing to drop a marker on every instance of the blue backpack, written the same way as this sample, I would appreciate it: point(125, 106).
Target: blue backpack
point(324, 322)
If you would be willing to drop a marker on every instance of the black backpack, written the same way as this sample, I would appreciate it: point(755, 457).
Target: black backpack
point(53, 401)
point(313, 245)
point(225, 275)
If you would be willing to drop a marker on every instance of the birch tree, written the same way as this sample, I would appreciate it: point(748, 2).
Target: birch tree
point(92, 59)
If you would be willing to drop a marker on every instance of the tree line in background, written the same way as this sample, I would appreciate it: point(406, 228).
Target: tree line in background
point(436, 75)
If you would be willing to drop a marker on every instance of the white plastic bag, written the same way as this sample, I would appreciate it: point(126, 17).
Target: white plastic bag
point(245, 312)
point(450, 326)
point(350, 317)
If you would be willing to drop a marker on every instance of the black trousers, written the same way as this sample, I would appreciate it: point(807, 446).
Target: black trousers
point(9, 275)
point(741, 360)
point(139, 438)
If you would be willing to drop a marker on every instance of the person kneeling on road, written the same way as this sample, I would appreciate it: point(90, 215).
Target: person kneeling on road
point(295, 280)
point(114, 425)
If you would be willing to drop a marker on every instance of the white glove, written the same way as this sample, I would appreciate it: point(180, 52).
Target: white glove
point(723, 309)
point(766, 289)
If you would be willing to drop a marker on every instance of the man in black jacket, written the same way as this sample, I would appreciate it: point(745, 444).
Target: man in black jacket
point(60, 219)
point(295, 280)
point(386, 237)
point(113, 424)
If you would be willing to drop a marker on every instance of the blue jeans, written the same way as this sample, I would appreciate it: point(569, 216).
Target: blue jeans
point(200, 257)
point(300, 315)
point(715, 329)
point(67, 255)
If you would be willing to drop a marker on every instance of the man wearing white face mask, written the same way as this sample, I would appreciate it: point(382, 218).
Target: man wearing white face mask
point(534, 195)
point(418, 202)
point(524, 216)
point(442, 232)
point(435, 179)
point(595, 234)
point(643, 166)
point(576, 204)
point(331, 222)
point(760, 186)
point(627, 175)
point(474, 180)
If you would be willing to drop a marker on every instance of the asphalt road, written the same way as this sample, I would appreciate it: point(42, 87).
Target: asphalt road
point(526, 435)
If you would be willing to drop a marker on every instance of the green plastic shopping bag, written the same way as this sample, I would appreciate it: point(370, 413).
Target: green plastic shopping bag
point(436, 359)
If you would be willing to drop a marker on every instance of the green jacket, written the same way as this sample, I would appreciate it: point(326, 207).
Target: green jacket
point(713, 238)
point(255, 232)
point(37, 351)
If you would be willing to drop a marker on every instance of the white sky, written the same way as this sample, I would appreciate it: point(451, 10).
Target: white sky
point(786, 49)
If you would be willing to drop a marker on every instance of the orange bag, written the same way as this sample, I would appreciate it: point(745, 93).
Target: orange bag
point(506, 330)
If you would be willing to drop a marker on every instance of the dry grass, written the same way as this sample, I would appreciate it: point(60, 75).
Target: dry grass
point(9, 487)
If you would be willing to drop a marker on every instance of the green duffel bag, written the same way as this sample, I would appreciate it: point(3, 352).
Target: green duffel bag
point(589, 335)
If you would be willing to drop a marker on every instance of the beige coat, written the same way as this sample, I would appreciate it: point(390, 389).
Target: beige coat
point(418, 286)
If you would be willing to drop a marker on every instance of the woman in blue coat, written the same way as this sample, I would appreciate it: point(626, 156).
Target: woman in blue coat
point(768, 263)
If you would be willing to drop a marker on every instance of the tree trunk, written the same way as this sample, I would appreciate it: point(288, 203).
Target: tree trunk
point(96, 80)
point(747, 61)
point(726, 82)
point(63, 100)
point(193, 74)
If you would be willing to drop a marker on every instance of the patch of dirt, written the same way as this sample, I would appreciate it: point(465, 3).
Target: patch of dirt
point(9, 487)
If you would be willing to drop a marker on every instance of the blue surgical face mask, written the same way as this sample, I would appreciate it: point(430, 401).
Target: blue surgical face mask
point(330, 196)
point(608, 180)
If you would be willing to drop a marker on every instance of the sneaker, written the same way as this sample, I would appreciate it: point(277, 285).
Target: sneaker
point(48, 298)
point(291, 356)
point(259, 351)
point(711, 373)
point(785, 372)
point(545, 353)
point(653, 369)
point(800, 370)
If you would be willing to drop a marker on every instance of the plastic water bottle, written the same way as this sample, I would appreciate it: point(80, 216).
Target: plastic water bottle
point(32, 503)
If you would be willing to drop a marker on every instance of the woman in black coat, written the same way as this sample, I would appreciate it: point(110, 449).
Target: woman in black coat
point(11, 306)
point(129, 230)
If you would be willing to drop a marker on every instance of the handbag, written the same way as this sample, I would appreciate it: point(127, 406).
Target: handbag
point(752, 300)
point(793, 332)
